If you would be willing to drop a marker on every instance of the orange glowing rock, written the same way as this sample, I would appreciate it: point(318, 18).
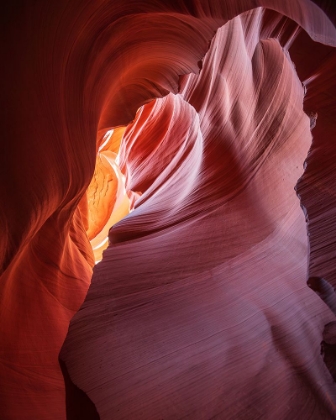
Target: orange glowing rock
point(101, 195)
point(106, 198)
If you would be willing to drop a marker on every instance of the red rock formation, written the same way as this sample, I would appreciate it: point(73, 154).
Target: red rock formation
point(200, 307)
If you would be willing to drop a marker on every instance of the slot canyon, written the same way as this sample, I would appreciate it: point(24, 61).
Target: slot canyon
point(168, 210)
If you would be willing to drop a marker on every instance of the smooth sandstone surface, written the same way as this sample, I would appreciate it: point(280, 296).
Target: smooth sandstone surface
point(195, 117)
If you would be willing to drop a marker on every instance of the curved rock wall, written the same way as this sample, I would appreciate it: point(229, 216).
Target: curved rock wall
point(200, 307)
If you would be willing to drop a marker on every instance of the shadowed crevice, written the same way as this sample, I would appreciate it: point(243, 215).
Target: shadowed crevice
point(324, 290)
point(328, 348)
point(78, 404)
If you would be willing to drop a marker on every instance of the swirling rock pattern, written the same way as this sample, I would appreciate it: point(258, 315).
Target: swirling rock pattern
point(200, 307)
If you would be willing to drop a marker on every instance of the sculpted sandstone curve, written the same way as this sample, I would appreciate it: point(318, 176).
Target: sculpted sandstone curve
point(200, 307)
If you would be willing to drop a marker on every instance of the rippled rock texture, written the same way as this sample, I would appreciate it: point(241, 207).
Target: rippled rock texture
point(193, 119)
